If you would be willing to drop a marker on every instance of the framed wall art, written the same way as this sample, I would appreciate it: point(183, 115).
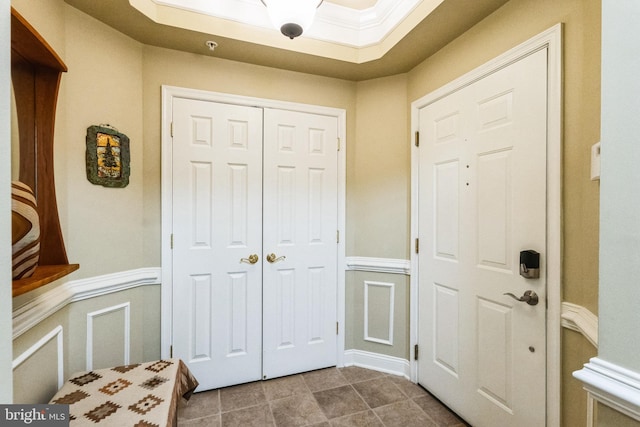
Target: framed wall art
point(107, 156)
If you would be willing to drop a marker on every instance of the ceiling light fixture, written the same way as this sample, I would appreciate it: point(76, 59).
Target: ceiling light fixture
point(292, 17)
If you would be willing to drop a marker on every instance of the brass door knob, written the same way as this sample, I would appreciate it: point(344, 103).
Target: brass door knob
point(273, 259)
point(251, 260)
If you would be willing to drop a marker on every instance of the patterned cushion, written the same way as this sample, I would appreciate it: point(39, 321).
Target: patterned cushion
point(25, 231)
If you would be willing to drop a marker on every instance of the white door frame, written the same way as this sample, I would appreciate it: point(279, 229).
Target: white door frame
point(550, 39)
point(170, 92)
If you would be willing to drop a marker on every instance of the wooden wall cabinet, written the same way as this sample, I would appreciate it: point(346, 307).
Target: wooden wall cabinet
point(36, 71)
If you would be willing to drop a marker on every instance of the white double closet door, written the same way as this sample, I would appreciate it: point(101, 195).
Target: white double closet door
point(254, 241)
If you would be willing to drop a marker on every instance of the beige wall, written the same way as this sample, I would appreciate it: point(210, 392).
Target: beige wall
point(116, 80)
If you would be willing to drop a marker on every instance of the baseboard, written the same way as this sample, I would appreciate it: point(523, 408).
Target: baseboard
point(612, 385)
point(580, 319)
point(378, 265)
point(378, 362)
point(44, 305)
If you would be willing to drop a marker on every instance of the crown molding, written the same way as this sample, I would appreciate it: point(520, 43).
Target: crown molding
point(334, 23)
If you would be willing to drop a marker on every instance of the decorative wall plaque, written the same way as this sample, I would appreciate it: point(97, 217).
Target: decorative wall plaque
point(107, 155)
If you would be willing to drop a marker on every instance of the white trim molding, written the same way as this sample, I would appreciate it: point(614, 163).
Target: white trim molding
point(612, 385)
point(54, 333)
point(580, 319)
point(379, 265)
point(126, 334)
point(378, 362)
point(44, 305)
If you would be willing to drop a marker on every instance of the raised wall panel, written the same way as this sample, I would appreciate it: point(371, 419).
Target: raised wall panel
point(201, 181)
point(285, 299)
point(239, 205)
point(447, 206)
point(316, 185)
point(42, 364)
point(238, 313)
point(109, 337)
point(494, 210)
point(379, 312)
point(316, 304)
point(201, 345)
point(495, 111)
point(286, 205)
point(446, 341)
point(494, 353)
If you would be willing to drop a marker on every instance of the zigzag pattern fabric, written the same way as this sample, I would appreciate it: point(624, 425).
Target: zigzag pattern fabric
point(25, 231)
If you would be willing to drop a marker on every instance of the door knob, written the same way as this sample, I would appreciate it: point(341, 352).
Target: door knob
point(251, 260)
point(530, 297)
point(273, 259)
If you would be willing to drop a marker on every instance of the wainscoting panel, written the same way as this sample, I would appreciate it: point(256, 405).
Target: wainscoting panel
point(81, 325)
point(39, 368)
point(379, 312)
point(109, 328)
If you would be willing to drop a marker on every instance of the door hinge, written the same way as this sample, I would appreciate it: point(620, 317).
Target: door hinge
point(337, 236)
point(417, 139)
point(417, 246)
point(171, 352)
point(337, 327)
point(171, 129)
point(171, 240)
point(338, 144)
point(415, 352)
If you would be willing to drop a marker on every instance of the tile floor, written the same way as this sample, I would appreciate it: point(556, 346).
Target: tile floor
point(328, 397)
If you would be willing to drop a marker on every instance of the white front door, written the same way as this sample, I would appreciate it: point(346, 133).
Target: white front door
point(300, 242)
point(246, 191)
point(217, 227)
point(482, 200)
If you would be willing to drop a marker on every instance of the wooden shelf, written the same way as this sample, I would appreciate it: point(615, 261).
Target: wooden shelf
point(36, 71)
point(43, 275)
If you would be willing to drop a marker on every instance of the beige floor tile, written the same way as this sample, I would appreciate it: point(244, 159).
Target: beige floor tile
point(200, 405)
point(407, 387)
point(324, 379)
point(379, 392)
point(438, 412)
point(354, 374)
point(211, 421)
point(340, 401)
point(294, 411)
point(361, 419)
point(404, 414)
point(284, 387)
point(255, 416)
point(241, 396)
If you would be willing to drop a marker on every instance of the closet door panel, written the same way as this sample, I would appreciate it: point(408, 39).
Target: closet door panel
point(300, 242)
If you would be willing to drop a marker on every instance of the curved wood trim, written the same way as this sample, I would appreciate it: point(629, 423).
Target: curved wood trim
point(36, 72)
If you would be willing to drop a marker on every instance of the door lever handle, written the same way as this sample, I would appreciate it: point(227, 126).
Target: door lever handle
point(251, 260)
point(530, 297)
point(273, 259)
